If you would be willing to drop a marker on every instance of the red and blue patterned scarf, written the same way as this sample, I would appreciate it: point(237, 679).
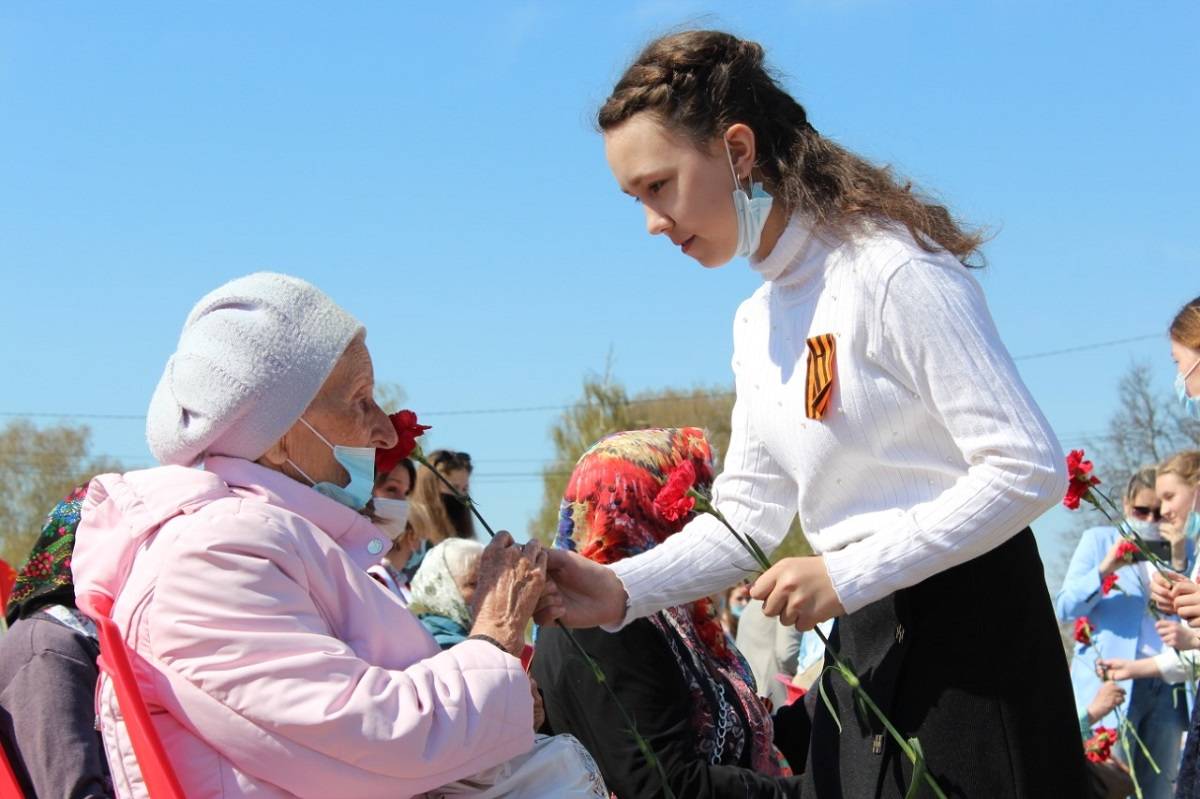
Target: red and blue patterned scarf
point(607, 514)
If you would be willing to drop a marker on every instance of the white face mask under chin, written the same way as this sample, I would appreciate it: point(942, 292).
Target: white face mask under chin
point(751, 211)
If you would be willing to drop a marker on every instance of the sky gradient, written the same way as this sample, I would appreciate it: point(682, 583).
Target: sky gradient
point(438, 173)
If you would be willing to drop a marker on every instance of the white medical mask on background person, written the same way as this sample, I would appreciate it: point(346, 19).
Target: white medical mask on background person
point(1191, 405)
point(358, 461)
point(1146, 528)
point(751, 211)
point(392, 515)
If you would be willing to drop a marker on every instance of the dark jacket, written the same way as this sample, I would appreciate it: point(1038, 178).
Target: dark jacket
point(645, 675)
point(47, 717)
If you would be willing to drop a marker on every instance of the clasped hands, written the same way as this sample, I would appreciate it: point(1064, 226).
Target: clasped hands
point(1176, 594)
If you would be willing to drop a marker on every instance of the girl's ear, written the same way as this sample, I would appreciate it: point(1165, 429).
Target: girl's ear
point(740, 140)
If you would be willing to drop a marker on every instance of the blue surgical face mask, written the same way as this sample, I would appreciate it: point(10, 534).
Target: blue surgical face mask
point(751, 210)
point(358, 461)
point(1191, 405)
point(1191, 528)
point(1146, 528)
point(736, 610)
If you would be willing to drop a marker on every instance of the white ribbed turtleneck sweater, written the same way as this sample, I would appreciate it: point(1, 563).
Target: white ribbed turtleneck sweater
point(930, 453)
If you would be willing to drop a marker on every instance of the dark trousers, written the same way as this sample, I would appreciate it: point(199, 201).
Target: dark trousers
point(971, 663)
point(1188, 785)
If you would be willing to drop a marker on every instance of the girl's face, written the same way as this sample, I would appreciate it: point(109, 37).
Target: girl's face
point(1177, 497)
point(459, 478)
point(687, 192)
point(1144, 505)
point(396, 486)
point(1186, 360)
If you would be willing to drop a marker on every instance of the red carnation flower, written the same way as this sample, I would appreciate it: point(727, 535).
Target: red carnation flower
point(1083, 631)
point(673, 501)
point(1126, 551)
point(1108, 583)
point(1098, 748)
point(407, 432)
point(1081, 479)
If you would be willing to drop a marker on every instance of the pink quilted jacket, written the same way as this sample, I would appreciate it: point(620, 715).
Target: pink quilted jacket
point(272, 664)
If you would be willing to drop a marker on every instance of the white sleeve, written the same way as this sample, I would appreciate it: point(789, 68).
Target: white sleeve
point(756, 496)
point(1180, 666)
point(933, 332)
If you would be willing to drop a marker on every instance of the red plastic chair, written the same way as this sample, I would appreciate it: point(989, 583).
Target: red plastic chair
point(156, 769)
point(8, 578)
point(9, 787)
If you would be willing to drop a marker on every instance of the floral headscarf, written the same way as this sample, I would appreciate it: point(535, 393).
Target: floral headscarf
point(607, 514)
point(46, 576)
point(434, 589)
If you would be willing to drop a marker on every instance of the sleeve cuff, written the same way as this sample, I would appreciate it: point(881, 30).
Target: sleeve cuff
point(1175, 666)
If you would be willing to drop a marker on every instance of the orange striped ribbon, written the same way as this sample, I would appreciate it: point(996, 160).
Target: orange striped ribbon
point(822, 366)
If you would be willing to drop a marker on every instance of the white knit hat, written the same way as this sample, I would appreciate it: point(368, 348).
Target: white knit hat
point(251, 357)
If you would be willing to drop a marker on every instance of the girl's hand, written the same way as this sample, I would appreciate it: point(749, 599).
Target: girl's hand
point(799, 592)
point(1112, 561)
point(1160, 590)
point(584, 593)
point(1108, 697)
point(1121, 669)
point(1186, 596)
point(1176, 635)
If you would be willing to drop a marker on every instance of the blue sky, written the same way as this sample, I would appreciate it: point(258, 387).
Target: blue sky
point(435, 170)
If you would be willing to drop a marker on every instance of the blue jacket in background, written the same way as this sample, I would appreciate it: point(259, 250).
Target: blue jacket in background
point(1116, 618)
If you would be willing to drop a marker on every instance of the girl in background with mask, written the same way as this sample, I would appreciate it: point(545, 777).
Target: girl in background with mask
point(451, 518)
point(1177, 486)
point(874, 398)
point(1125, 629)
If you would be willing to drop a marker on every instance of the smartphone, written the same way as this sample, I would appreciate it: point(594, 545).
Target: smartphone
point(1161, 550)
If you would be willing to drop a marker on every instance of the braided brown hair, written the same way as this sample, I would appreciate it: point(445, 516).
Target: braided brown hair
point(699, 83)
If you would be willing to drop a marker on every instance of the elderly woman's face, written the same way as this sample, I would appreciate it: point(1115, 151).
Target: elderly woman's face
point(345, 413)
point(467, 582)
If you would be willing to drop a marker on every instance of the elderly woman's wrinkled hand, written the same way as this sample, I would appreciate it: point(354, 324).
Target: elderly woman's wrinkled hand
point(512, 579)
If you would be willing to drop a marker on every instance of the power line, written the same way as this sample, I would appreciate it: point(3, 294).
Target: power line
point(563, 407)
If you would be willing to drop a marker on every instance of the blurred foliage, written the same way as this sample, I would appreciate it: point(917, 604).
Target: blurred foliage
point(38, 467)
point(605, 408)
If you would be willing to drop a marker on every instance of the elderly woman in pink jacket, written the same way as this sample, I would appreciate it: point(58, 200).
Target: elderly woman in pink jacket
point(272, 663)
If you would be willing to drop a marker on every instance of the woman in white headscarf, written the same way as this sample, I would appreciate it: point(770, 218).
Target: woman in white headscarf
point(443, 587)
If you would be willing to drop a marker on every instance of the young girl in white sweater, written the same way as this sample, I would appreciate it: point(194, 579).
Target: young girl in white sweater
point(875, 399)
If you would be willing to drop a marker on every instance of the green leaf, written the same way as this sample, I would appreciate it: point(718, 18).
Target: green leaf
point(828, 702)
point(919, 769)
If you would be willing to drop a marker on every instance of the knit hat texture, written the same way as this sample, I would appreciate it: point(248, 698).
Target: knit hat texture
point(252, 356)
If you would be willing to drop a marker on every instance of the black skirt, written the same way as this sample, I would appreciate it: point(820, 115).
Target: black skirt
point(971, 663)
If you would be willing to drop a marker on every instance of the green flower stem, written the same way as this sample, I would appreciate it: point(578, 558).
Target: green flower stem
point(911, 750)
point(1127, 729)
point(465, 499)
point(1130, 535)
point(855, 684)
point(642, 744)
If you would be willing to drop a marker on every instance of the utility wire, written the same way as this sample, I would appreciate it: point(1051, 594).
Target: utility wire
point(543, 408)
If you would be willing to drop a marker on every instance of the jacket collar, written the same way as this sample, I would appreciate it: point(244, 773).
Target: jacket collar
point(365, 543)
